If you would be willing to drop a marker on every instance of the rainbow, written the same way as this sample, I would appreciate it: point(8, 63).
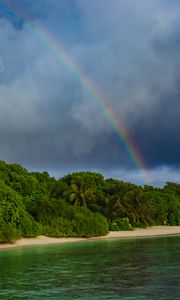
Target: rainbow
point(94, 92)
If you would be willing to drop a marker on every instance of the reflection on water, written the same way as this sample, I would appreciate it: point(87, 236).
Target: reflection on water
point(121, 269)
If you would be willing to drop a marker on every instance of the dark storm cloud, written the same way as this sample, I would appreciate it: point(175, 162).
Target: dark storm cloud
point(161, 127)
point(129, 48)
point(162, 144)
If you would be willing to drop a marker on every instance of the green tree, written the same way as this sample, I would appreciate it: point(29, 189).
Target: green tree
point(79, 194)
point(138, 207)
point(114, 208)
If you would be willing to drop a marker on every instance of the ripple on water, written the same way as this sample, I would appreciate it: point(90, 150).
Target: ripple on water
point(119, 269)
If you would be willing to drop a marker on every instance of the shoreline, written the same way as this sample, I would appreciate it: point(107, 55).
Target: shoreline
point(153, 231)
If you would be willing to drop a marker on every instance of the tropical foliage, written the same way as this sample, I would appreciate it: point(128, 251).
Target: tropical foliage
point(79, 204)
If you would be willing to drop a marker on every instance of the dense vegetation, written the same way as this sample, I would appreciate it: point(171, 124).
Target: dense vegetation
point(79, 204)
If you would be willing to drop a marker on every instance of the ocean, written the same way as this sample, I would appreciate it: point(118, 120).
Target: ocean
point(126, 269)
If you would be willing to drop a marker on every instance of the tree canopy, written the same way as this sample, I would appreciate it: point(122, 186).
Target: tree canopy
point(79, 204)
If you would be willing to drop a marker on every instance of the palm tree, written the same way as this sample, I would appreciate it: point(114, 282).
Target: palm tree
point(139, 207)
point(114, 207)
point(79, 194)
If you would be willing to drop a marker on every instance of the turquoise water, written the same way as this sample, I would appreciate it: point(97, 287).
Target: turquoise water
point(121, 269)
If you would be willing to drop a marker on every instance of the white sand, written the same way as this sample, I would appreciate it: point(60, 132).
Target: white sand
point(40, 240)
point(153, 231)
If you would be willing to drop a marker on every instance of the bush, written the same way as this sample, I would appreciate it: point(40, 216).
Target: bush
point(29, 227)
point(63, 220)
point(101, 226)
point(124, 224)
point(114, 226)
point(121, 224)
point(9, 233)
point(57, 227)
point(87, 224)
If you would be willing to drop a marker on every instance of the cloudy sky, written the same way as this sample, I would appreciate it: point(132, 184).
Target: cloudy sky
point(129, 49)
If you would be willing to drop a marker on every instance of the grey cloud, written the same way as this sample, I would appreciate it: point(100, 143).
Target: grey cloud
point(130, 49)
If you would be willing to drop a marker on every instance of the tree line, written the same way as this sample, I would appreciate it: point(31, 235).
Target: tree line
point(81, 204)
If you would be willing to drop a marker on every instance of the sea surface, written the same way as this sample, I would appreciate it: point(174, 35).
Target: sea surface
point(117, 269)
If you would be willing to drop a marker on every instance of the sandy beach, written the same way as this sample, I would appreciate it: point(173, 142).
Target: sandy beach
point(154, 231)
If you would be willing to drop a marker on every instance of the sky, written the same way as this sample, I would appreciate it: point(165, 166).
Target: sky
point(129, 50)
